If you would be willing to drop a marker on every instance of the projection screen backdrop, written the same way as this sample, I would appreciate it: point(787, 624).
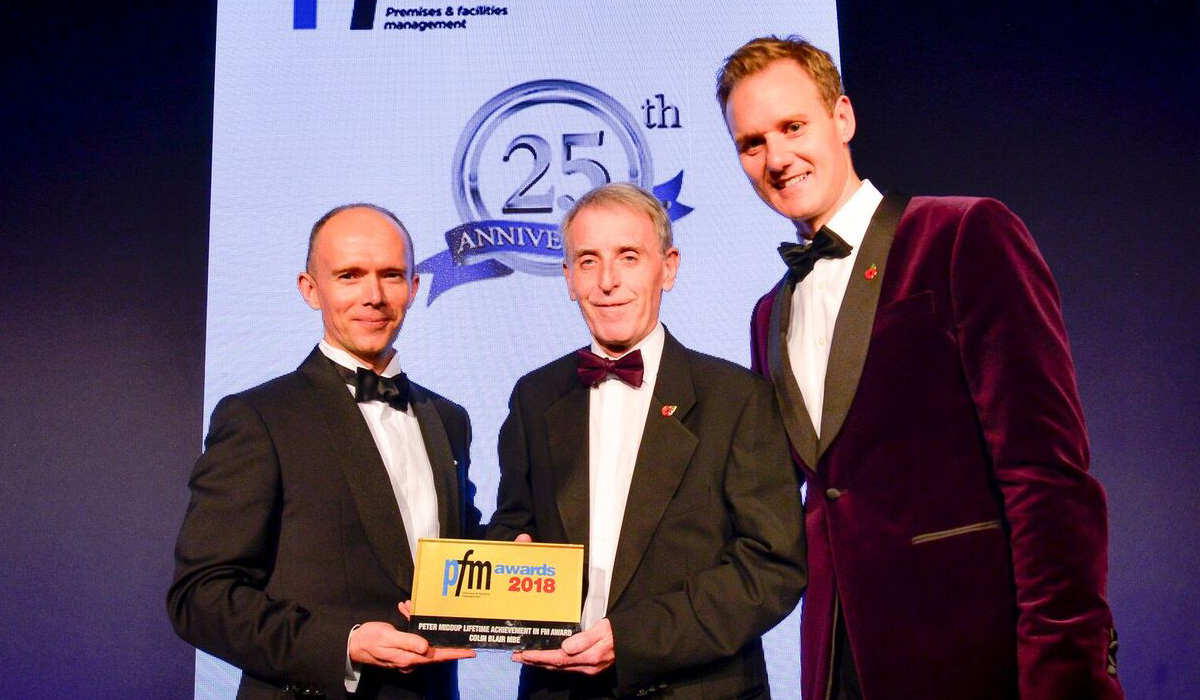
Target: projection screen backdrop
point(477, 125)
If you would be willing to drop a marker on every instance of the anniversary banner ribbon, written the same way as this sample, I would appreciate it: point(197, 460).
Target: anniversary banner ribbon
point(472, 248)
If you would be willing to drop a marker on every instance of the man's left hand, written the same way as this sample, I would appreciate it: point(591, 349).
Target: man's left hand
point(589, 652)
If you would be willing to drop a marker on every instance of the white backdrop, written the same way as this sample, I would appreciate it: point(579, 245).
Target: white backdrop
point(311, 113)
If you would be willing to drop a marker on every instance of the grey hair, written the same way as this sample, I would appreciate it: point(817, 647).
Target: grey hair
point(624, 195)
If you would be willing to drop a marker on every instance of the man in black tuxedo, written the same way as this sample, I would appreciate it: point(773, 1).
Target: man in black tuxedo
point(669, 465)
point(297, 547)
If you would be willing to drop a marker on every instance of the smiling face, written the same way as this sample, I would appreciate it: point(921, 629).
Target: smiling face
point(795, 152)
point(360, 277)
point(617, 271)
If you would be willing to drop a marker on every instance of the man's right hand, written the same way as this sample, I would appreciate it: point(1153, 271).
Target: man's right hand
point(381, 644)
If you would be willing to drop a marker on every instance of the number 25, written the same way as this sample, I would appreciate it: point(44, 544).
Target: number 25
point(521, 202)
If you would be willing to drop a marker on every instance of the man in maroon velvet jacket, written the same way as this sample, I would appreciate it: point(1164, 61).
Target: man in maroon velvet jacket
point(957, 544)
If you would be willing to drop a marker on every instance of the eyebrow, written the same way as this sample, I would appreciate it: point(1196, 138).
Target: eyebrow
point(743, 140)
point(623, 249)
point(402, 269)
point(798, 118)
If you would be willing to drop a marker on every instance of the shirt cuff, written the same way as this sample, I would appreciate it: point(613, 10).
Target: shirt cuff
point(353, 671)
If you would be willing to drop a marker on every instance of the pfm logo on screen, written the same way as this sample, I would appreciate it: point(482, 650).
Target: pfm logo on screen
point(304, 14)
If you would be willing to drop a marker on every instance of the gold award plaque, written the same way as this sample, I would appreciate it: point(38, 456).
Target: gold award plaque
point(497, 595)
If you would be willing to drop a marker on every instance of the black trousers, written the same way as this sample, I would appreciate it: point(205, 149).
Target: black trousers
point(845, 676)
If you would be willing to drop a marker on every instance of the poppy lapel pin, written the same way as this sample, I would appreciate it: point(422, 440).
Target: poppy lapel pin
point(872, 272)
point(668, 411)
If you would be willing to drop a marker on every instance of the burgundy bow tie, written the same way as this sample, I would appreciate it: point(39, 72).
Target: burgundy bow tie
point(594, 369)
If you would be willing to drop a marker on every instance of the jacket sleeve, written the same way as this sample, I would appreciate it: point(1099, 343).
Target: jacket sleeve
point(472, 528)
point(1017, 363)
point(224, 558)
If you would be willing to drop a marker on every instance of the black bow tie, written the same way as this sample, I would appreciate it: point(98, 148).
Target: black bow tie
point(801, 258)
point(369, 386)
point(594, 369)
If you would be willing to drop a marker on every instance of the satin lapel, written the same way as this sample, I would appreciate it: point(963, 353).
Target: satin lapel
point(796, 420)
point(441, 459)
point(567, 419)
point(663, 456)
point(856, 317)
point(362, 467)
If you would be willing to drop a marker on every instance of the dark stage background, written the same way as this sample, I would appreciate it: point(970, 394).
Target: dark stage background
point(1086, 121)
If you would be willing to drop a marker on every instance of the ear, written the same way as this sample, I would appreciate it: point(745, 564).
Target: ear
point(670, 269)
point(843, 117)
point(413, 286)
point(570, 282)
point(308, 290)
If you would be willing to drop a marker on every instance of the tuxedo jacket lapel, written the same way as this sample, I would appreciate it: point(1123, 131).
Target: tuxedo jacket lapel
point(362, 467)
point(796, 420)
point(441, 459)
point(856, 318)
point(663, 457)
point(569, 455)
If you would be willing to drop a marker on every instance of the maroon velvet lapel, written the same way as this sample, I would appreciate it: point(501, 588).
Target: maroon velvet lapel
point(856, 317)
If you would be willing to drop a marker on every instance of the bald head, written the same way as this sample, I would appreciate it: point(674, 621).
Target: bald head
point(383, 211)
point(360, 277)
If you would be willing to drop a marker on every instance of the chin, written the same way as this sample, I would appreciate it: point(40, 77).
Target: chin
point(792, 210)
point(611, 342)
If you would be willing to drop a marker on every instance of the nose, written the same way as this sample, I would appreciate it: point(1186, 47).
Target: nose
point(372, 290)
point(610, 277)
point(777, 156)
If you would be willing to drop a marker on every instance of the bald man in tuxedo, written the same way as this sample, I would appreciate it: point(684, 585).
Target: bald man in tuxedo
point(297, 547)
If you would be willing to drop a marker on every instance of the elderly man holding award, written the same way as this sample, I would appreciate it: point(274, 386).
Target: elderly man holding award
point(669, 465)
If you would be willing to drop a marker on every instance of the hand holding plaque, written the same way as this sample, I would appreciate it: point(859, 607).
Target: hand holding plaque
point(589, 652)
point(381, 644)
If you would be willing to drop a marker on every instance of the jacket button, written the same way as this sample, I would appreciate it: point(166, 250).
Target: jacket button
point(833, 494)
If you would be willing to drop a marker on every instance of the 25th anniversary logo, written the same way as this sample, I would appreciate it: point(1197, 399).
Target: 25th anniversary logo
point(521, 161)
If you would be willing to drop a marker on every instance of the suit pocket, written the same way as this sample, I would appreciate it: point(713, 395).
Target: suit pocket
point(912, 306)
point(956, 531)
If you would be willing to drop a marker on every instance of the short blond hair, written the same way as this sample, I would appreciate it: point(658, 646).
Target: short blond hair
point(624, 195)
point(757, 54)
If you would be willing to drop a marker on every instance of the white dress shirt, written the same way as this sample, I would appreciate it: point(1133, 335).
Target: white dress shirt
point(616, 418)
point(397, 436)
point(818, 297)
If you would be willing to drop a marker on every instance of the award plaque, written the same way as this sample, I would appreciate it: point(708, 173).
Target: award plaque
point(496, 595)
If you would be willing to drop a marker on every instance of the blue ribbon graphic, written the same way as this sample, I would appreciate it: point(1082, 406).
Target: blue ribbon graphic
point(480, 240)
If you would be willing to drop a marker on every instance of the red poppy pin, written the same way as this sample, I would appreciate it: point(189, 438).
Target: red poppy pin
point(872, 272)
point(668, 411)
